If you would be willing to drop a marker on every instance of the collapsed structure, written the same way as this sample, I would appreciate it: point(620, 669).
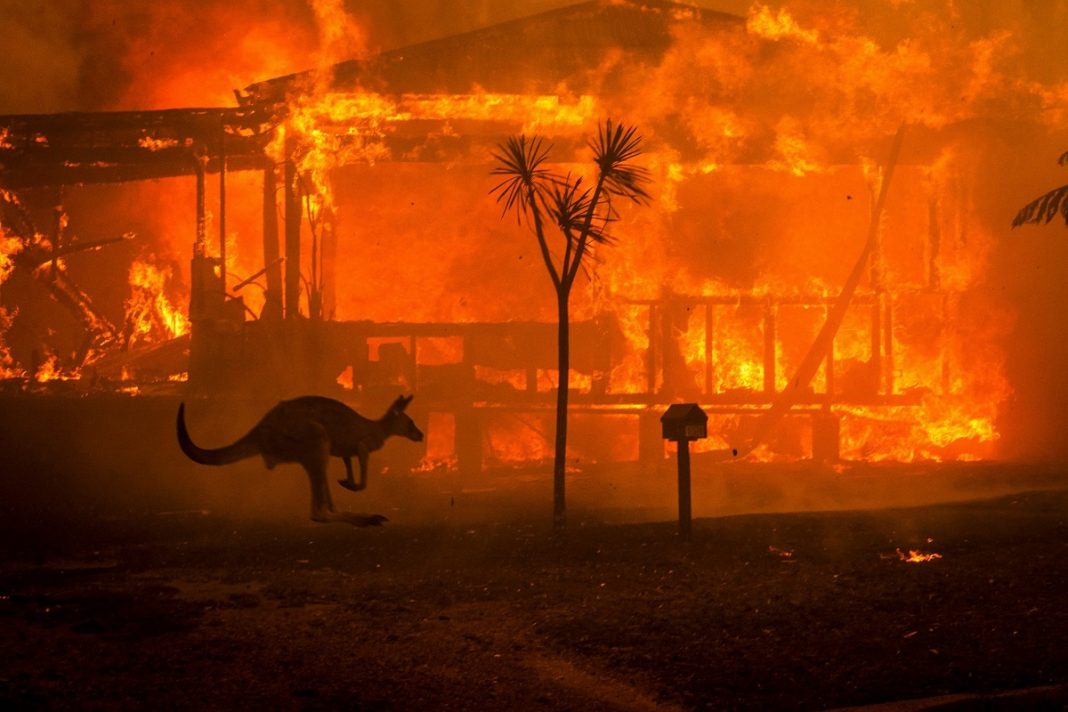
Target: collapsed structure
point(377, 264)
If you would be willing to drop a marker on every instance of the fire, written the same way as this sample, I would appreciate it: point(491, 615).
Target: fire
point(440, 445)
point(762, 22)
point(8, 367)
point(768, 166)
point(51, 370)
point(916, 556)
point(151, 316)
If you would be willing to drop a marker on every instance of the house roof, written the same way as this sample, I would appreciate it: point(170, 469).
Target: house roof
point(535, 54)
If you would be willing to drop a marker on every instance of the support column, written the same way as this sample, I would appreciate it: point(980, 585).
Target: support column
point(328, 272)
point(293, 217)
point(222, 207)
point(710, 345)
point(272, 260)
point(769, 350)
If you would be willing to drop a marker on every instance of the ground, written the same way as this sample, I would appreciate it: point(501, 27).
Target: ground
point(196, 609)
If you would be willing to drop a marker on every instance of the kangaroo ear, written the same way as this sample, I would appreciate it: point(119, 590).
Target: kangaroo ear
point(403, 402)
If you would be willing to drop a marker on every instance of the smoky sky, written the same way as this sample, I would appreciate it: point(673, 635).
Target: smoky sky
point(88, 55)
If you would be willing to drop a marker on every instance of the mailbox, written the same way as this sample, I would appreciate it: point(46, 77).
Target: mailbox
point(684, 422)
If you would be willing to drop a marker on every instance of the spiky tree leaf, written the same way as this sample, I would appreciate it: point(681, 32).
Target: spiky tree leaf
point(614, 148)
point(520, 160)
point(1046, 207)
point(569, 203)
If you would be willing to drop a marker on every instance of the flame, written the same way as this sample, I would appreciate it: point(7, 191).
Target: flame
point(51, 370)
point(762, 22)
point(915, 556)
point(780, 120)
point(151, 316)
point(440, 445)
point(344, 379)
point(8, 367)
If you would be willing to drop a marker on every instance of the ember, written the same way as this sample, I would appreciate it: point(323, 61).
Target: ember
point(916, 556)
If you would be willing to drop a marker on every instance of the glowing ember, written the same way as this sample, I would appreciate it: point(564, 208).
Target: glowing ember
point(916, 556)
point(156, 144)
point(344, 379)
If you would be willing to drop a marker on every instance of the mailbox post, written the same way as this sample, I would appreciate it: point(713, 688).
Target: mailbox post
point(683, 422)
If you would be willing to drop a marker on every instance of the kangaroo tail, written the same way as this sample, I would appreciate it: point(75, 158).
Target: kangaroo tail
point(244, 447)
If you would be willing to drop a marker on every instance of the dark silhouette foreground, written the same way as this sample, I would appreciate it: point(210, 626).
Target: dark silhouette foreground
point(308, 431)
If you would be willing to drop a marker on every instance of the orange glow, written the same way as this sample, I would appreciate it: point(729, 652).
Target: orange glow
point(151, 316)
point(344, 379)
point(766, 169)
point(440, 444)
point(916, 556)
point(762, 22)
point(51, 370)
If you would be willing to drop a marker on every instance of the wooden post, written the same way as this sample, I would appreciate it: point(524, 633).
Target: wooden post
point(653, 351)
point(200, 247)
point(222, 206)
point(683, 422)
point(272, 260)
point(328, 264)
point(710, 347)
point(685, 502)
point(769, 350)
point(293, 216)
point(876, 344)
point(830, 365)
point(888, 343)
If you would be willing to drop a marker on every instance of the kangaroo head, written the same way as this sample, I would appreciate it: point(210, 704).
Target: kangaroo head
point(397, 422)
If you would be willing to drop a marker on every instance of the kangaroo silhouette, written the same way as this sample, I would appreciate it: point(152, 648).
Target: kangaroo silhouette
point(308, 431)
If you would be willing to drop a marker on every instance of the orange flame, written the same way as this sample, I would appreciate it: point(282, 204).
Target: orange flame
point(150, 314)
point(915, 556)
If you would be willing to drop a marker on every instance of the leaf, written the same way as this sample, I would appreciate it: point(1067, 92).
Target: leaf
point(569, 204)
point(1044, 208)
point(614, 148)
point(520, 161)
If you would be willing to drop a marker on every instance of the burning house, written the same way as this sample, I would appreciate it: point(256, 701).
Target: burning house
point(334, 232)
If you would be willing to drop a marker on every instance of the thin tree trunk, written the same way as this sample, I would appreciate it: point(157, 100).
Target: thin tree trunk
point(563, 381)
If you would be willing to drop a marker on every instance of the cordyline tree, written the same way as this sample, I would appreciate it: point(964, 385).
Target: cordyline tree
point(1046, 207)
point(580, 212)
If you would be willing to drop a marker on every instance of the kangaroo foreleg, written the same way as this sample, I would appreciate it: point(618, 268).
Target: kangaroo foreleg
point(351, 483)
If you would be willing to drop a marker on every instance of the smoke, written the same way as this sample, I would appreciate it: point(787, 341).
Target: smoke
point(94, 55)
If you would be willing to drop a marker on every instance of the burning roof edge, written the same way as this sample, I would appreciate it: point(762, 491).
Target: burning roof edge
point(532, 53)
point(116, 146)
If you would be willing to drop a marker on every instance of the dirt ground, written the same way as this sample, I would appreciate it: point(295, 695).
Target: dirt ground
point(193, 609)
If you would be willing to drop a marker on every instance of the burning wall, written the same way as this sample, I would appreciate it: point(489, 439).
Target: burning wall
point(768, 138)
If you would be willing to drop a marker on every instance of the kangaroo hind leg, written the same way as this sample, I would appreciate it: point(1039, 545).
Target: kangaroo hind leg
point(315, 462)
point(322, 505)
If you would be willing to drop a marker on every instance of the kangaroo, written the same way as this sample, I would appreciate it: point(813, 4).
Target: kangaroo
point(308, 430)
